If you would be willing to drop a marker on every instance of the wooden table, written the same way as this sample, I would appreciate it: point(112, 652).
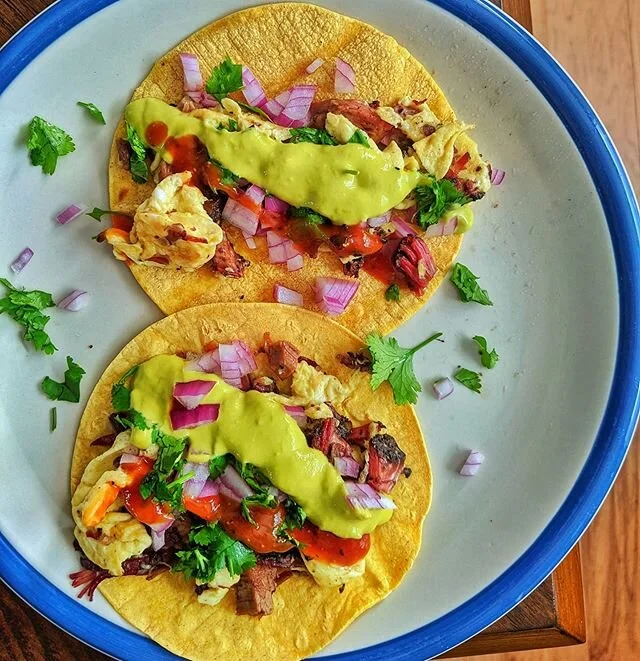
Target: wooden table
point(552, 616)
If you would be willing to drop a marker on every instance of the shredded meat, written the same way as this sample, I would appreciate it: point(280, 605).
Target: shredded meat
point(386, 461)
point(283, 357)
point(467, 187)
point(357, 112)
point(124, 152)
point(214, 207)
point(413, 259)
point(351, 265)
point(227, 261)
point(107, 440)
point(290, 560)
point(356, 360)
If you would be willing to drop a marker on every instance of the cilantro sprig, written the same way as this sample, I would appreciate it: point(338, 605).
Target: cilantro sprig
point(394, 364)
point(392, 292)
point(97, 213)
point(67, 390)
point(487, 358)
point(262, 499)
point(469, 379)
point(225, 79)
point(46, 143)
point(434, 198)
point(120, 393)
point(359, 137)
point(93, 111)
point(138, 159)
point(309, 216)
point(468, 287)
point(25, 308)
point(316, 136)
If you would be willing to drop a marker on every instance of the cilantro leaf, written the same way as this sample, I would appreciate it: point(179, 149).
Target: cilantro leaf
point(394, 364)
point(94, 111)
point(138, 160)
point(131, 419)
point(310, 216)
point(69, 389)
point(316, 136)
point(232, 126)
point(392, 293)
point(468, 287)
point(469, 379)
point(97, 213)
point(487, 358)
point(46, 143)
point(262, 499)
point(227, 177)
point(217, 466)
point(25, 307)
point(434, 198)
point(294, 518)
point(120, 394)
point(258, 111)
point(224, 79)
point(359, 138)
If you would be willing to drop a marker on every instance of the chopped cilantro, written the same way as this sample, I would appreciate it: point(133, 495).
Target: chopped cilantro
point(392, 293)
point(25, 307)
point(468, 287)
point(138, 160)
point(217, 466)
point(394, 364)
point(263, 499)
point(131, 419)
point(294, 518)
point(434, 198)
point(232, 126)
point(69, 389)
point(211, 550)
point(224, 79)
point(46, 143)
point(94, 111)
point(258, 111)
point(227, 177)
point(53, 419)
point(310, 216)
point(97, 213)
point(316, 136)
point(120, 394)
point(487, 358)
point(469, 379)
point(360, 138)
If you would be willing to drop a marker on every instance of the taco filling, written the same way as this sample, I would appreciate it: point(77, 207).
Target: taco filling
point(235, 468)
point(367, 182)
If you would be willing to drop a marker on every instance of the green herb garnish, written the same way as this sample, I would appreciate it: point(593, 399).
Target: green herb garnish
point(46, 143)
point(69, 389)
point(217, 466)
point(360, 138)
point(308, 215)
point(138, 160)
point(53, 419)
point(131, 419)
point(487, 358)
point(224, 79)
point(394, 364)
point(25, 307)
point(468, 287)
point(94, 111)
point(258, 111)
point(316, 136)
point(97, 213)
point(469, 379)
point(263, 499)
point(120, 393)
point(392, 293)
point(434, 198)
point(232, 126)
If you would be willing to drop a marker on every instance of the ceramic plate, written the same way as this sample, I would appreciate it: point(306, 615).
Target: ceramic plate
point(556, 246)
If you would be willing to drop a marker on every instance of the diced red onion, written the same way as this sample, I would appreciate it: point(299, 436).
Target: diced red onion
point(246, 359)
point(280, 248)
point(249, 240)
point(21, 260)
point(295, 263)
point(75, 301)
point(203, 99)
point(191, 393)
point(193, 486)
point(366, 497)
point(208, 362)
point(497, 176)
point(233, 485)
point(472, 463)
point(443, 388)
point(377, 221)
point(72, 212)
point(275, 204)
point(333, 295)
point(297, 413)
point(347, 466)
point(188, 419)
point(230, 365)
point(162, 526)
point(287, 296)
point(191, 72)
point(345, 78)
point(241, 217)
point(316, 64)
point(296, 111)
point(276, 493)
point(274, 107)
point(402, 227)
point(210, 488)
point(157, 539)
point(129, 458)
point(446, 228)
point(253, 92)
point(255, 194)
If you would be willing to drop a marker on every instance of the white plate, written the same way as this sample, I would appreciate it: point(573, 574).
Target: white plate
point(542, 246)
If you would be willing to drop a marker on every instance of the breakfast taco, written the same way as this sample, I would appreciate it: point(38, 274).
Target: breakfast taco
point(237, 488)
point(318, 165)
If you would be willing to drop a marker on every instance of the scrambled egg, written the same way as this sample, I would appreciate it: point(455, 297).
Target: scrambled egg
point(310, 386)
point(217, 588)
point(411, 125)
point(171, 229)
point(436, 151)
point(329, 576)
point(342, 129)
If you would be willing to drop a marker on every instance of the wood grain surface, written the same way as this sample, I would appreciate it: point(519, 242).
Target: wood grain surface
point(601, 49)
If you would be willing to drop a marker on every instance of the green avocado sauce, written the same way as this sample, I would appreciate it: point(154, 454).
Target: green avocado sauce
point(256, 430)
point(465, 218)
point(303, 174)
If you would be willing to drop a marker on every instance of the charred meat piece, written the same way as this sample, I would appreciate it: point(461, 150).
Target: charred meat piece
point(357, 360)
point(467, 187)
point(254, 591)
point(343, 424)
point(351, 265)
point(357, 112)
point(107, 440)
point(214, 208)
point(360, 435)
point(283, 357)
point(264, 384)
point(124, 152)
point(290, 561)
point(175, 232)
point(413, 259)
point(386, 461)
point(227, 261)
point(322, 435)
point(162, 172)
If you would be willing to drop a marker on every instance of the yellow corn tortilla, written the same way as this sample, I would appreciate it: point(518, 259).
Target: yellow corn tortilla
point(306, 617)
point(277, 42)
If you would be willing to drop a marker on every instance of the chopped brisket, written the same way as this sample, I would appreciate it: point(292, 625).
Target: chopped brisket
point(309, 361)
point(227, 261)
point(343, 424)
point(175, 232)
point(124, 152)
point(413, 259)
point(322, 435)
point(386, 461)
point(467, 187)
point(214, 208)
point(357, 360)
point(264, 384)
point(162, 172)
point(107, 440)
point(290, 560)
point(254, 591)
point(360, 435)
point(283, 357)
point(357, 112)
point(351, 265)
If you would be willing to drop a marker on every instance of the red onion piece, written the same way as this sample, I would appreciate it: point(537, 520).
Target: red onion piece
point(191, 73)
point(366, 497)
point(275, 204)
point(333, 295)
point(21, 260)
point(233, 485)
point(129, 458)
point(72, 212)
point(446, 228)
point(208, 362)
point(287, 296)
point(472, 463)
point(246, 359)
point(345, 77)
point(255, 194)
point(230, 369)
point(296, 111)
point(203, 99)
point(157, 539)
point(193, 487)
point(249, 240)
point(295, 263)
point(162, 525)
point(443, 388)
point(377, 221)
point(253, 92)
point(316, 64)
point(347, 466)
point(297, 413)
point(239, 216)
point(191, 393)
point(210, 488)
point(74, 301)
point(274, 107)
point(402, 226)
point(497, 176)
point(188, 419)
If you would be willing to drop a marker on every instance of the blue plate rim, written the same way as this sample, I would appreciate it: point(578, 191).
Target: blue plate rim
point(616, 429)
